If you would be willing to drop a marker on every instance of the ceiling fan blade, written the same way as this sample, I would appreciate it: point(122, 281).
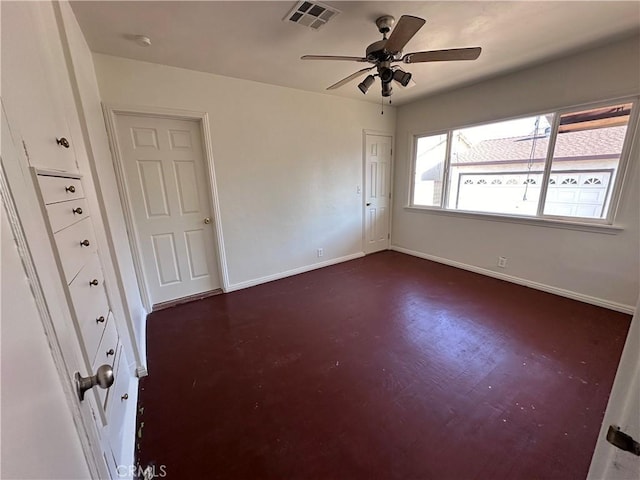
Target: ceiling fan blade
point(404, 31)
point(333, 57)
point(353, 76)
point(443, 55)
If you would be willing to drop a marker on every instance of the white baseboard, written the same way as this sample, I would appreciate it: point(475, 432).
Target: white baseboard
point(289, 273)
point(600, 302)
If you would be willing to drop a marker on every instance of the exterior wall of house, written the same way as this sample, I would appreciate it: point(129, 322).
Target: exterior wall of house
point(288, 163)
point(592, 265)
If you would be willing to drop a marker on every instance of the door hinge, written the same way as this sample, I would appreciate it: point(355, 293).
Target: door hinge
point(625, 442)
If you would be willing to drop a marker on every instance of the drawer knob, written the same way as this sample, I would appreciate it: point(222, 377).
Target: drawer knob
point(100, 319)
point(70, 189)
point(77, 210)
point(85, 243)
point(110, 352)
point(63, 142)
point(124, 397)
point(103, 378)
point(94, 282)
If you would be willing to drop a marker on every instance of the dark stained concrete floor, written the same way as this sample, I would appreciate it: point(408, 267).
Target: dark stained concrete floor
point(385, 367)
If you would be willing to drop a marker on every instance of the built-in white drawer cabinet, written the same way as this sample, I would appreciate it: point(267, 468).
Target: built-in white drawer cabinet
point(106, 352)
point(58, 189)
point(63, 214)
point(117, 401)
point(91, 304)
point(73, 235)
point(76, 245)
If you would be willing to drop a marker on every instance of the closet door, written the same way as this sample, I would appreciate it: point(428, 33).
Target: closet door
point(31, 93)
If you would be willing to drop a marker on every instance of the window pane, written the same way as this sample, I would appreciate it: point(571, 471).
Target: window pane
point(429, 172)
point(585, 161)
point(498, 167)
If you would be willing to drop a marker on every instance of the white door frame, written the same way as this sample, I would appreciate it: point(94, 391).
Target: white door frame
point(366, 132)
point(110, 112)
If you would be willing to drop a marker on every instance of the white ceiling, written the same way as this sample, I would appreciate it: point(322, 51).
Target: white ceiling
point(249, 40)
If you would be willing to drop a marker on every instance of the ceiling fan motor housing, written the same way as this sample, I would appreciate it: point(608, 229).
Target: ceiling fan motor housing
point(384, 24)
point(377, 53)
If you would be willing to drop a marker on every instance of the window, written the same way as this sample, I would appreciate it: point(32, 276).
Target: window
point(562, 164)
point(431, 153)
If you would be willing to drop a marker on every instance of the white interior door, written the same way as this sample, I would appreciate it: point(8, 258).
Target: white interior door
point(622, 411)
point(169, 196)
point(377, 191)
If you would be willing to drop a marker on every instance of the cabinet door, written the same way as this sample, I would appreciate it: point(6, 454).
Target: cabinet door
point(32, 91)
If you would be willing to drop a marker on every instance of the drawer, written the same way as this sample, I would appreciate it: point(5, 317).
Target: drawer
point(118, 402)
point(59, 189)
point(90, 304)
point(64, 214)
point(106, 353)
point(73, 254)
point(108, 347)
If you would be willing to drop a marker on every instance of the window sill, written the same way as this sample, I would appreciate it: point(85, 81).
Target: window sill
point(541, 222)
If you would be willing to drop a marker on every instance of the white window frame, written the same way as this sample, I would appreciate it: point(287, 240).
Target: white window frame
point(613, 202)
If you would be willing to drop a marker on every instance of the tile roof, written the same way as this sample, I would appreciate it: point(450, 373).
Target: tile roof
point(595, 142)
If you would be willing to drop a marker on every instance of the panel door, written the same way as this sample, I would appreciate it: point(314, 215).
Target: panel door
point(377, 192)
point(168, 188)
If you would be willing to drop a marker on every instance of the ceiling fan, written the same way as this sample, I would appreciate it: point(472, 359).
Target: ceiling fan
point(383, 53)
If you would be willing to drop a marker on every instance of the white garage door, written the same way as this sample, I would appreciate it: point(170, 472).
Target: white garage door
point(570, 194)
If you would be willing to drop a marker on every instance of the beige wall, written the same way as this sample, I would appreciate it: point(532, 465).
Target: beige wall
point(592, 265)
point(287, 162)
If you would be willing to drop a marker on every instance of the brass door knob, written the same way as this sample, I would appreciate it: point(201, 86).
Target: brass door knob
point(110, 352)
point(100, 319)
point(207, 220)
point(70, 189)
point(63, 142)
point(85, 243)
point(77, 210)
point(94, 282)
point(124, 397)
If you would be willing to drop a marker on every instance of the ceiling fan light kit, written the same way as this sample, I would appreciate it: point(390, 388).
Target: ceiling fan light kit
point(366, 83)
point(383, 53)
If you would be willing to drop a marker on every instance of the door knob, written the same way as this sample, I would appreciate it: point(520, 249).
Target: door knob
point(103, 378)
point(63, 142)
point(207, 220)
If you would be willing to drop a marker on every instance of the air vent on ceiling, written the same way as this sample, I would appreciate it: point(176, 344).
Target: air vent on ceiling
point(311, 14)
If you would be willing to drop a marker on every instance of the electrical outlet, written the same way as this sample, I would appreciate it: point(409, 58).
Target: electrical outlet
point(320, 252)
point(502, 262)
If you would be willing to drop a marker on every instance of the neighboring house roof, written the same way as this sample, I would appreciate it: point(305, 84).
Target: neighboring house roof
point(599, 143)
